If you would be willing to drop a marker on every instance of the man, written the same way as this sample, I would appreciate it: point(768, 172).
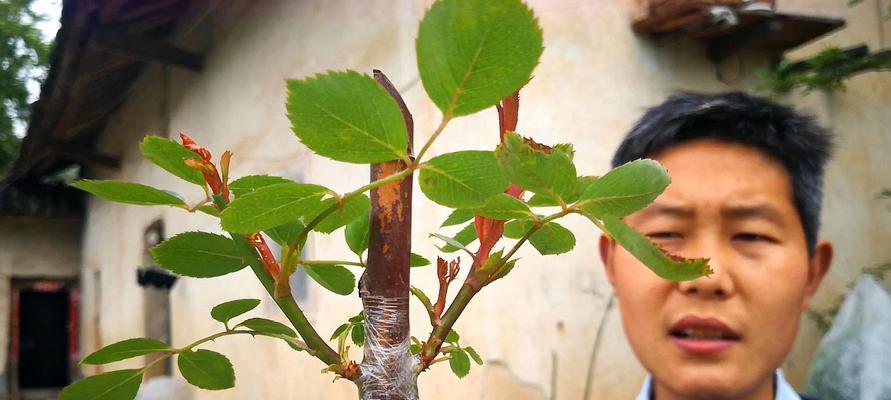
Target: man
point(747, 181)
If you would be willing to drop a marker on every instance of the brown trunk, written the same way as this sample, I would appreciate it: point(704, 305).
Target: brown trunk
point(388, 369)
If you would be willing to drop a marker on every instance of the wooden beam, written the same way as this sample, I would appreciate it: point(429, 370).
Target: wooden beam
point(146, 49)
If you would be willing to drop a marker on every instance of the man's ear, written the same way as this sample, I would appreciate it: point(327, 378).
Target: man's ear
point(607, 251)
point(817, 268)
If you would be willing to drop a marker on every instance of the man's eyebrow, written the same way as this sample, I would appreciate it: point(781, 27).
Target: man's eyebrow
point(761, 211)
point(659, 210)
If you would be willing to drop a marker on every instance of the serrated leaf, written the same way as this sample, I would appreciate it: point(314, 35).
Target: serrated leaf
point(668, 267)
point(625, 189)
point(169, 155)
point(349, 211)
point(206, 369)
point(224, 312)
point(462, 179)
point(552, 238)
point(129, 193)
point(459, 363)
point(472, 54)
point(357, 334)
point(125, 349)
point(271, 206)
point(418, 261)
point(340, 330)
point(335, 278)
point(115, 385)
point(358, 317)
point(452, 337)
point(474, 355)
point(544, 200)
point(458, 216)
point(347, 116)
point(247, 184)
point(268, 326)
point(199, 255)
point(285, 234)
point(536, 171)
point(503, 207)
point(356, 234)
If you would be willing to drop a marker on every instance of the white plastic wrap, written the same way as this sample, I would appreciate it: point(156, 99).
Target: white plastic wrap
point(853, 360)
point(389, 371)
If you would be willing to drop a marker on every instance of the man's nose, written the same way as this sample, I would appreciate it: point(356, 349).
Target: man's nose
point(717, 285)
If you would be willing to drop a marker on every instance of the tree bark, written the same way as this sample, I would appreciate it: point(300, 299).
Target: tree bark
point(388, 370)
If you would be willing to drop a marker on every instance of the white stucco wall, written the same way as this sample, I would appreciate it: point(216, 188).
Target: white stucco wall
point(536, 328)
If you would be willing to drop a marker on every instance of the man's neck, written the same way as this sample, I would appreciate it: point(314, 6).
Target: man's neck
point(764, 391)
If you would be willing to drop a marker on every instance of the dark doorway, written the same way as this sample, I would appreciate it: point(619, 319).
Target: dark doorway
point(43, 337)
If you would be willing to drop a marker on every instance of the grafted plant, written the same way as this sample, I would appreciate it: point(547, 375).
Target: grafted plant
point(472, 55)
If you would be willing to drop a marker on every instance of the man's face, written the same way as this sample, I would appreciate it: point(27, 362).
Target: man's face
point(720, 336)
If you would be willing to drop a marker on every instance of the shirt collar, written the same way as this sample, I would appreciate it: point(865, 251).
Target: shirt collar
point(784, 390)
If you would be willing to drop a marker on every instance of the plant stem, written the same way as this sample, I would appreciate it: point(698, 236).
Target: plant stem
point(468, 290)
point(289, 307)
point(442, 124)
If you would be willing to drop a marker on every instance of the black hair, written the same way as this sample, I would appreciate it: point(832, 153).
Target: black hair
point(794, 140)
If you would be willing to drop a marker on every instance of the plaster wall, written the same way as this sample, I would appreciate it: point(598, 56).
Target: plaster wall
point(536, 328)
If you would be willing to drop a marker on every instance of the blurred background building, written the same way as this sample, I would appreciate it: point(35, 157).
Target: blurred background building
point(75, 273)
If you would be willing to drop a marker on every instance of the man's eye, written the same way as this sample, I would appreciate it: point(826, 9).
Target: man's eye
point(657, 236)
point(752, 237)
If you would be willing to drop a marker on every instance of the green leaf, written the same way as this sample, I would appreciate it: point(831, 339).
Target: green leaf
point(418, 261)
point(458, 216)
point(129, 193)
point(340, 330)
point(464, 237)
point(206, 369)
point(335, 278)
point(516, 229)
point(268, 326)
point(347, 116)
point(474, 355)
point(544, 200)
point(285, 234)
point(271, 206)
point(226, 311)
point(360, 317)
point(625, 189)
point(115, 385)
point(199, 255)
point(358, 334)
point(462, 179)
point(552, 238)
point(125, 349)
point(414, 349)
point(503, 207)
point(356, 235)
point(668, 267)
point(349, 211)
point(536, 171)
point(459, 363)
point(247, 184)
point(472, 54)
point(169, 155)
point(452, 337)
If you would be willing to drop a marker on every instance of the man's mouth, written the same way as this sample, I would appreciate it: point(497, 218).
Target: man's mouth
point(702, 335)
